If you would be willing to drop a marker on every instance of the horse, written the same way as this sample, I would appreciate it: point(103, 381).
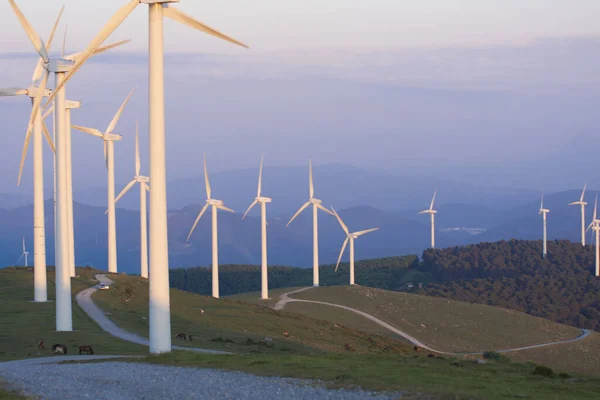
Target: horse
point(59, 349)
point(181, 336)
point(348, 347)
point(286, 334)
point(86, 349)
point(41, 345)
point(190, 338)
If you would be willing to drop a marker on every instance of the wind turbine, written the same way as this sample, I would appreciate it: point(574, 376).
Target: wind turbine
point(60, 67)
point(595, 226)
point(350, 237)
point(143, 181)
point(431, 212)
point(109, 138)
point(263, 224)
point(582, 204)
point(317, 205)
point(543, 211)
point(215, 205)
point(25, 254)
point(160, 314)
point(39, 227)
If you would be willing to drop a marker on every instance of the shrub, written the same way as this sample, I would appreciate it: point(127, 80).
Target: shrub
point(494, 356)
point(543, 371)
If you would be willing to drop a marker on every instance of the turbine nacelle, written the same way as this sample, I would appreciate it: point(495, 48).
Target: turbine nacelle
point(214, 202)
point(142, 179)
point(59, 65)
point(72, 104)
point(111, 137)
point(263, 199)
point(32, 92)
point(159, 1)
point(315, 201)
point(428, 212)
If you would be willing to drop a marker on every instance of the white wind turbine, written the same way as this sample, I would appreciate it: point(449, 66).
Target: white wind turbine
point(543, 211)
point(350, 237)
point(109, 138)
point(60, 67)
point(582, 204)
point(317, 204)
point(595, 226)
point(215, 205)
point(160, 314)
point(431, 212)
point(24, 254)
point(263, 224)
point(39, 227)
point(143, 181)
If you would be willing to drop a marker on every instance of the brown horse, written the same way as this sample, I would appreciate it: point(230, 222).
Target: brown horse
point(348, 347)
point(86, 349)
point(41, 345)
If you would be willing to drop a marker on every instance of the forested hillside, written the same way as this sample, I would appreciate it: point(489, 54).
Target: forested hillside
point(514, 275)
point(392, 273)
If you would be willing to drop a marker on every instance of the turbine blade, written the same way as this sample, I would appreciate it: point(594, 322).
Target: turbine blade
point(38, 43)
point(53, 31)
point(255, 202)
point(48, 137)
point(137, 149)
point(583, 193)
point(106, 155)
point(115, 120)
point(48, 112)
point(24, 245)
point(542, 203)
point(100, 50)
point(262, 158)
point(197, 220)
point(109, 28)
point(89, 131)
point(225, 209)
point(424, 212)
point(310, 177)
point(125, 190)
point(206, 182)
point(12, 92)
point(180, 16)
point(147, 187)
point(64, 44)
point(595, 208)
point(344, 227)
point(298, 212)
point(320, 206)
point(360, 233)
point(341, 254)
point(432, 200)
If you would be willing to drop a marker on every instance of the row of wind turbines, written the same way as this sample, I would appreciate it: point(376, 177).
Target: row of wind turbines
point(317, 205)
point(64, 68)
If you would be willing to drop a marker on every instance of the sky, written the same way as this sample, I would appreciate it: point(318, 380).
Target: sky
point(466, 90)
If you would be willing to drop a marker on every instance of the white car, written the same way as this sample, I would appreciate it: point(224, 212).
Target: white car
point(102, 286)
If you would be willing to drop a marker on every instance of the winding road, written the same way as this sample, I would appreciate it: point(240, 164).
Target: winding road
point(84, 300)
point(285, 298)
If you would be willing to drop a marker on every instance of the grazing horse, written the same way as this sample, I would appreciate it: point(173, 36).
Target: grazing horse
point(59, 349)
point(348, 347)
point(417, 348)
point(286, 334)
point(371, 340)
point(190, 338)
point(181, 336)
point(86, 349)
point(41, 345)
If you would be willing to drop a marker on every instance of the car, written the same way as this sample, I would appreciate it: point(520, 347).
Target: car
point(102, 286)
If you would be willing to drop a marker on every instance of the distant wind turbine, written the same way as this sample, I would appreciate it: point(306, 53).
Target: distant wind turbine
point(582, 204)
point(263, 224)
point(109, 139)
point(143, 181)
point(350, 237)
point(431, 212)
point(543, 211)
point(595, 226)
point(215, 205)
point(24, 254)
point(317, 205)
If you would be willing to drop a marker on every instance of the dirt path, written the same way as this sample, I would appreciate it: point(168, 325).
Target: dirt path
point(284, 299)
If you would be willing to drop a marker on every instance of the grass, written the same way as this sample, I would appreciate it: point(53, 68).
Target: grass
point(445, 325)
point(8, 394)
point(254, 297)
point(23, 323)
point(227, 324)
point(442, 378)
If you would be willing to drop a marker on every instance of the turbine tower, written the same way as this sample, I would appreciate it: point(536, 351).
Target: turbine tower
point(160, 314)
point(40, 292)
point(350, 237)
point(543, 211)
point(317, 205)
point(215, 205)
point(109, 138)
point(595, 226)
point(24, 254)
point(60, 67)
point(431, 212)
point(582, 204)
point(264, 292)
point(143, 181)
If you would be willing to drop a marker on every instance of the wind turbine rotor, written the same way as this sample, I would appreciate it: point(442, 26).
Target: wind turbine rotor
point(344, 227)
point(197, 220)
point(298, 212)
point(341, 253)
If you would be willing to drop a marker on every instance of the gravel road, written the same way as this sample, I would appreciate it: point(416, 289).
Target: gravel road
point(123, 381)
